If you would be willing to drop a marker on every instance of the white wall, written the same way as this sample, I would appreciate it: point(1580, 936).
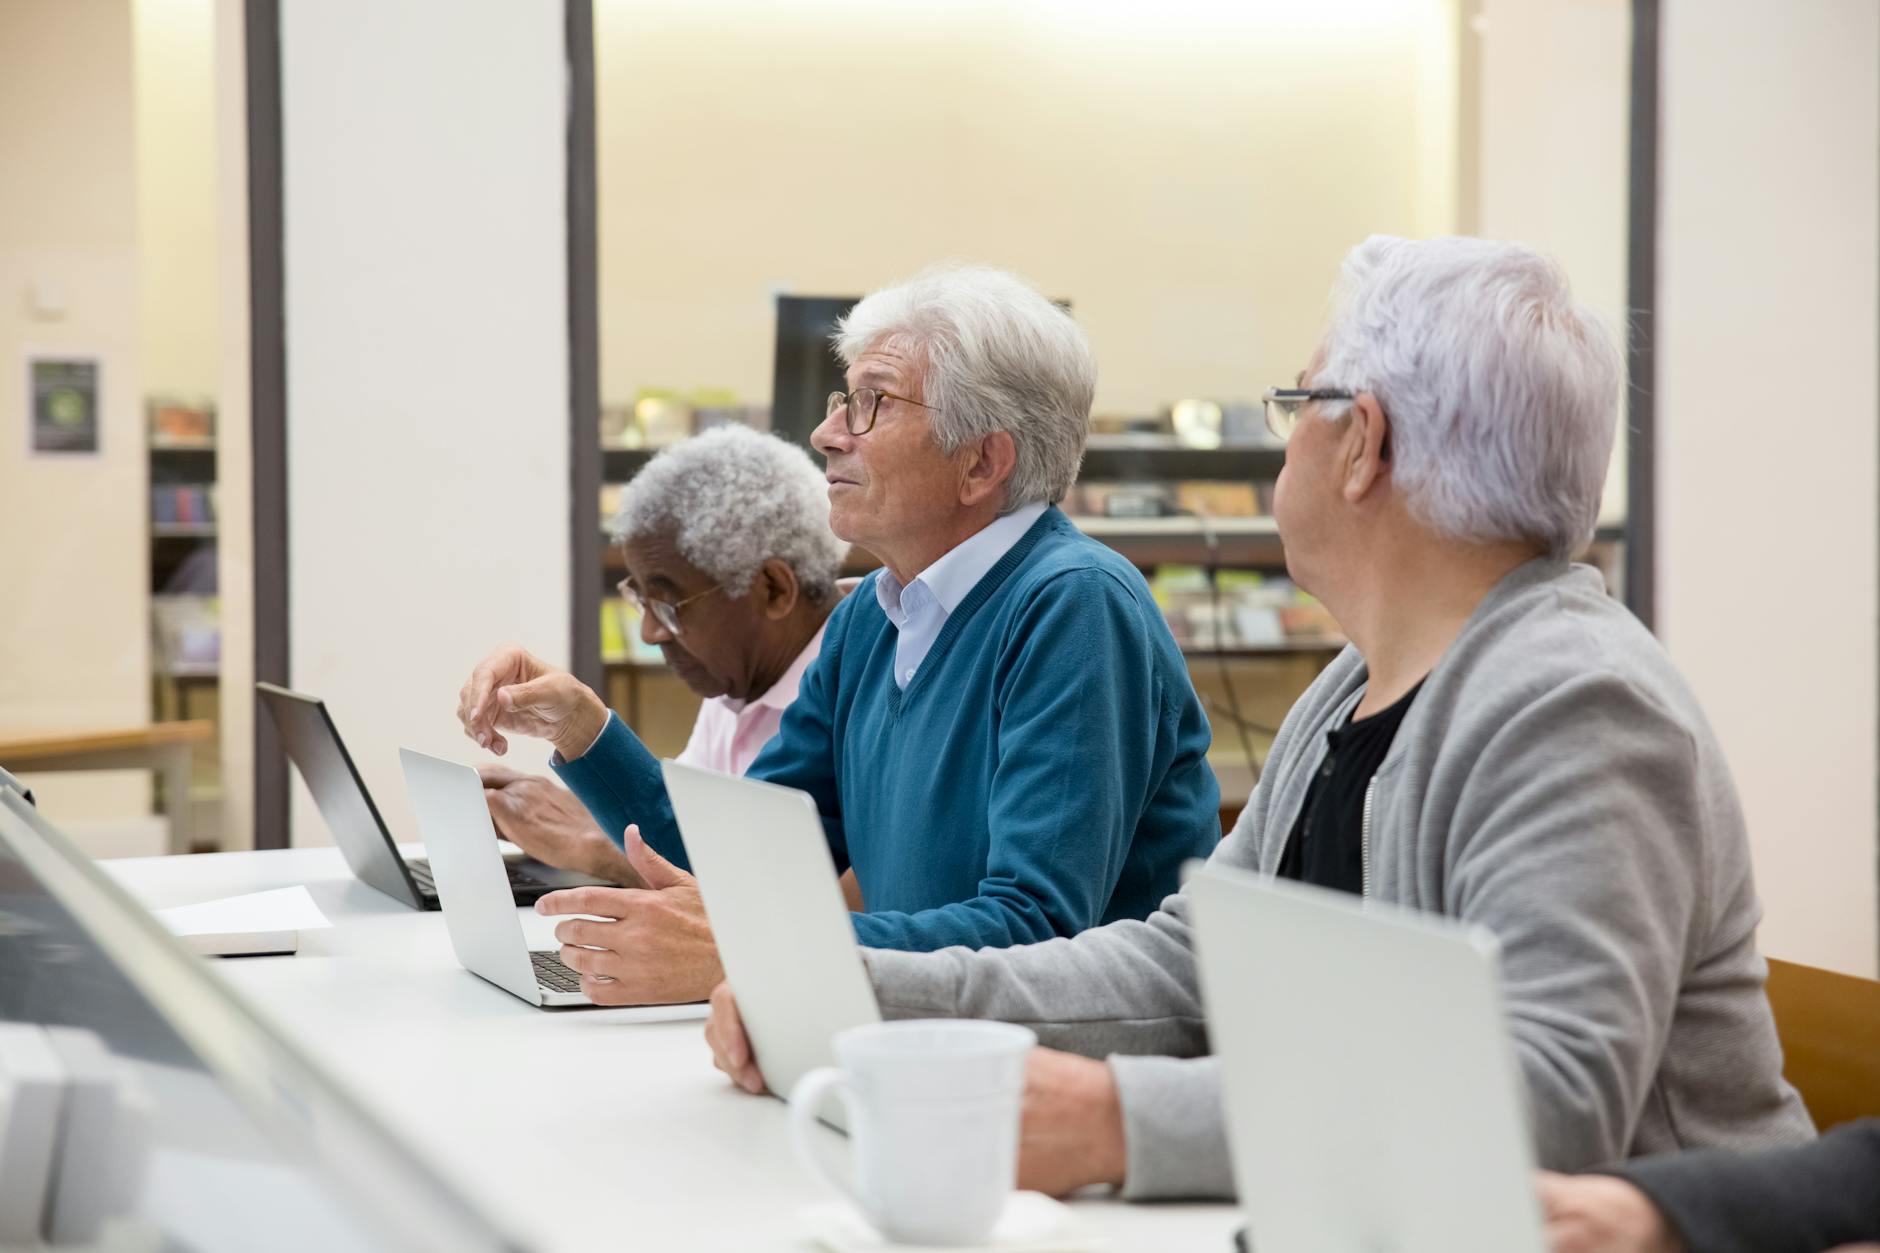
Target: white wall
point(1767, 337)
point(1188, 172)
point(74, 621)
point(1550, 122)
point(426, 361)
point(176, 80)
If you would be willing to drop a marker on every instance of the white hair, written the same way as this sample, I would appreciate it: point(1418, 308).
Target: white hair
point(1502, 391)
point(996, 356)
point(731, 499)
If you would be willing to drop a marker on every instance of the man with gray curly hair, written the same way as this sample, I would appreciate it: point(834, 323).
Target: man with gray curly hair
point(1502, 743)
point(733, 570)
point(1000, 733)
point(732, 499)
point(734, 506)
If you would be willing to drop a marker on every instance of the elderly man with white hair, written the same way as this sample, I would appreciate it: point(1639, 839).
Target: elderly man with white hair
point(733, 570)
point(1502, 743)
point(999, 731)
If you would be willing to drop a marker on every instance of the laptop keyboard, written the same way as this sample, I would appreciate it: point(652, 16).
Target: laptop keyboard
point(551, 974)
point(421, 875)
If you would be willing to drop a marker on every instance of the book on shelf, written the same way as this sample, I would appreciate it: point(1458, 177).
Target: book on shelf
point(1171, 497)
point(1218, 500)
point(1244, 610)
point(180, 423)
point(661, 416)
point(620, 635)
point(186, 632)
point(182, 505)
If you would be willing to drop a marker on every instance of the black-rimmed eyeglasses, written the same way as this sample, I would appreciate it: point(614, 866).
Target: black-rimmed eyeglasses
point(863, 404)
point(1284, 403)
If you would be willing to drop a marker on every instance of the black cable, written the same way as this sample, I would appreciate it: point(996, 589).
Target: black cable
point(1212, 569)
point(1217, 707)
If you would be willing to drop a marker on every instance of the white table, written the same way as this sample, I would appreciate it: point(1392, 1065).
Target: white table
point(577, 1129)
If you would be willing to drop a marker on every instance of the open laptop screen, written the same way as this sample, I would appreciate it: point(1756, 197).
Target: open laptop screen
point(313, 744)
point(249, 1145)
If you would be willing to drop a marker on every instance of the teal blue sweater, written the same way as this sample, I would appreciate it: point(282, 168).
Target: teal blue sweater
point(1045, 772)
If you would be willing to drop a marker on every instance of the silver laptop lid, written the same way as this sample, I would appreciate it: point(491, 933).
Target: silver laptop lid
point(313, 745)
point(777, 913)
point(250, 1143)
point(467, 866)
point(1371, 1092)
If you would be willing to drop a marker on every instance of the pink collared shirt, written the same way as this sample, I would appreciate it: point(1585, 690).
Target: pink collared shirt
point(730, 733)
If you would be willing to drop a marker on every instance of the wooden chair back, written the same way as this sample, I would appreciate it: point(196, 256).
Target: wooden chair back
point(1829, 1024)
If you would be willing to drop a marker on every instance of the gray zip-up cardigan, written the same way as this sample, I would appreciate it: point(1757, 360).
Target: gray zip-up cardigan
point(1556, 782)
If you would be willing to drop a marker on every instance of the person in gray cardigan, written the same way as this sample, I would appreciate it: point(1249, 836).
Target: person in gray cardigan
point(1543, 771)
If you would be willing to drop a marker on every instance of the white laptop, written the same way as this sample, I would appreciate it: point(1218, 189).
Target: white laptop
point(776, 910)
point(1372, 1097)
point(473, 886)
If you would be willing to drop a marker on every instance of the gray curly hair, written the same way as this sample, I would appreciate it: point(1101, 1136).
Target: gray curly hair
point(731, 499)
point(997, 357)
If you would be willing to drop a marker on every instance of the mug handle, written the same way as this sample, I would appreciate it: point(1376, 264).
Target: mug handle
point(805, 1099)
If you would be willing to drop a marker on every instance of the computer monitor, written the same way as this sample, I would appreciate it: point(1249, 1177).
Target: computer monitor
point(807, 369)
point(806, 366)
point(250, 1144)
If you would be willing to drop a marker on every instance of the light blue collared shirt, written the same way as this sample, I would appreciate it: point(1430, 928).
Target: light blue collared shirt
point(921, 608)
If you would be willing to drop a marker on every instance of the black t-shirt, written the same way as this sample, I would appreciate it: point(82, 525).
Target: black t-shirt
point(1327, 843)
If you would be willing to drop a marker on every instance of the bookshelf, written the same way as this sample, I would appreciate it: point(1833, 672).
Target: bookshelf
point(1109, 458)
point(1252, 641)
point(185, 608)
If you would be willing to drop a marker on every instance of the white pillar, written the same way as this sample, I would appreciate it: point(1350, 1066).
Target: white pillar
point(1767, 455)
point(427, 362)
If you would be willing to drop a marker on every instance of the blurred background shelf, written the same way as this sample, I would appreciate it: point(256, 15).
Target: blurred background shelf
point(197, 670)
point(182, 463)
point(1254, 599)
point(620, 464)
point(185, 607)
point(1107, 458)
point(1197, 522)
point(1121, 458)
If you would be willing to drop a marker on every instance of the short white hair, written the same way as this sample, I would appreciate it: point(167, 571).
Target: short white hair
point(1502, 391)
point(732, 499)
point(995, 356)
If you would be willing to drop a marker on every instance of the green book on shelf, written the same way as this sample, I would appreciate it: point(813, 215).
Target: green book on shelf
point(613, 629)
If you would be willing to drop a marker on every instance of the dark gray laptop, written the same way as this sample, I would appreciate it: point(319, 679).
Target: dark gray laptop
point(314, 746)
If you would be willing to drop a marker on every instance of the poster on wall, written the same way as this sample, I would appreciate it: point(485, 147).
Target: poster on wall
point(63, 400)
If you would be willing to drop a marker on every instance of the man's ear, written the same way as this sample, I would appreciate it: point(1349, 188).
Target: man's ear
point(1366, 447)
point(777, 589)
point(986, 467)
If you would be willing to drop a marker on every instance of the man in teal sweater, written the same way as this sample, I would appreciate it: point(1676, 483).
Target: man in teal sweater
point(1000, 733)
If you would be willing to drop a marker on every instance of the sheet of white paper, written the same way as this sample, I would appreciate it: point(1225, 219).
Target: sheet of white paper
point(283, 909)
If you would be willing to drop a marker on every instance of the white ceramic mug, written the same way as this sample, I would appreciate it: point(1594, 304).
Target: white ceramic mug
point(933, 1109)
